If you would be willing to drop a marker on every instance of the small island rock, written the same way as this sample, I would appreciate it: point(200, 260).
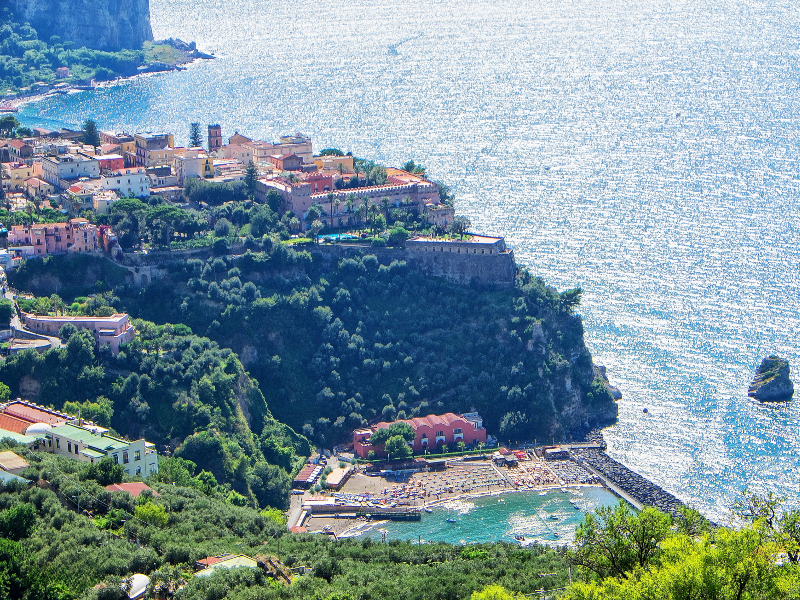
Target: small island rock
point(772, 381)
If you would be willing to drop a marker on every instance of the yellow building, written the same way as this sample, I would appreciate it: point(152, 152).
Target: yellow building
point(15, 174)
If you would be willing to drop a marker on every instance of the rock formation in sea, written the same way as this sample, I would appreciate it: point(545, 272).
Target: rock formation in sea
point(772, 381)
point(97, 24)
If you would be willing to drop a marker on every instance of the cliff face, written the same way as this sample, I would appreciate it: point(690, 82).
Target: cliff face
point(97, 24)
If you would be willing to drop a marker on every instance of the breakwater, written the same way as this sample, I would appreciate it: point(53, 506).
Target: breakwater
point(640, 489)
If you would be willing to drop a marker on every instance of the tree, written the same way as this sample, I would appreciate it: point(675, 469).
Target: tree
point(152, 514)
point(570, 299)
point(105, 472)
point(8, 124)
point(315, 228)
point(331, 152)
point(613, 541)
point(90, 135)
point(404, 430)
point(460, 226)
point(6, 310)
point(195, 139)
point(495, 592)
point(397, 447)
point(17, 522)
point(251, 179)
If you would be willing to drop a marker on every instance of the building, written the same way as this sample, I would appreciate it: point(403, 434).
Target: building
point(102, 201)
point(430, 433)
point(214, 137)
point(13, 463)
point(153, 149)
point(110, 162)
point(92, 444)
point(77, 235)
point(38, 188)
point(340, 164)
point(127, 181)
point(400, 190)
point(243, 154)
point(21, 151)
point(193, 163)
point(62, 72)
point(286, 162)
point(15, 174)
point(214, 564)
point(337, 477)
point(289, 144)
point(113, 331)
point(68, 167)
point(124, 141)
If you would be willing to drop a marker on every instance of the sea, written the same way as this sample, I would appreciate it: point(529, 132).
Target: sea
point(644, 151)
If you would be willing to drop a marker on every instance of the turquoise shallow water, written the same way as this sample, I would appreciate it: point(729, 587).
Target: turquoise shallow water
point(646, 151)
point(550, 519)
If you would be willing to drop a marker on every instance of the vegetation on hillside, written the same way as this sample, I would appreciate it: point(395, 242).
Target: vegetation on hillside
point(177, 390)
point(25, 59)
point(334, 345)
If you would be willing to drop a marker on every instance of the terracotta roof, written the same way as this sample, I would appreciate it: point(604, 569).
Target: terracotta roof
point(12, 424)
point(36, 414)
point(134, 489)
point(429, 421)
point(17, 143)
point(212, 560)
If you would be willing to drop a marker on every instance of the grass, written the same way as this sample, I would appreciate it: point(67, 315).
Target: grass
point(162, 53)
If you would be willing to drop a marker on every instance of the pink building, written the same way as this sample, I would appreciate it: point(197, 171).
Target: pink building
point(77, 235)
point(114, 330)
point(429, 433)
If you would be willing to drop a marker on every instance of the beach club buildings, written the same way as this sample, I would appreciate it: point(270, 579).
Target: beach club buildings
point(430, 433)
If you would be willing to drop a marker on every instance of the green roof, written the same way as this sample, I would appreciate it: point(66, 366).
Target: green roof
point(229, 563)
point(92, 453)
point(18, 437)
point(84, 436)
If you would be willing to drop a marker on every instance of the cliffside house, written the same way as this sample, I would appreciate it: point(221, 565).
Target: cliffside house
point(112, 331)
point(92, 444)
point(430, 433)
point(77, 235)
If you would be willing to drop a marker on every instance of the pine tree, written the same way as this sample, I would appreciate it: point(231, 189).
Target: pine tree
point(195, 141)
point(250, 179)
point(90, 136)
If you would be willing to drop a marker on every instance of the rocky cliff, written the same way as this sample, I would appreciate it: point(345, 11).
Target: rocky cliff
point(98, 24)
point(772, 381)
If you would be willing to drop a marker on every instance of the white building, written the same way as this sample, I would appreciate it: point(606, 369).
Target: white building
point(102, 201)
point(127, 181)
point(68, 167)
point(94, 444)
point(194, 162)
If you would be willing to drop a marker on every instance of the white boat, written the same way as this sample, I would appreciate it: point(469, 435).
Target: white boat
point(428, 510)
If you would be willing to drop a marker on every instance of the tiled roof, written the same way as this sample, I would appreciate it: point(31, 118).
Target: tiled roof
point(429, 421)
point(36, 414)
point(9, 423)
point(134, 488)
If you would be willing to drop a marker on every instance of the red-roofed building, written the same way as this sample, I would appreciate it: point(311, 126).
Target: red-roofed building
point(430, 432)
point(135, 488)
point(211, 560)
point(286, 162)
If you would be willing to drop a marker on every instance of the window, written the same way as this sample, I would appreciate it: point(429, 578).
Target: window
point(125, 457)
point(457, 430)
point(137, 455)
point(76, 448)
point(69, 446)
point(116, 459)
point(138, 470)
point(58, 442)
point(440, 434)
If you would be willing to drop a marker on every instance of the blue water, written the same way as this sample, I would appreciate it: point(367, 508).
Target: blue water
point(549, 519)
point(647, 151)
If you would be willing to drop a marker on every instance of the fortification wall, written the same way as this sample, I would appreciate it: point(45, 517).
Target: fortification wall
point(489, 269)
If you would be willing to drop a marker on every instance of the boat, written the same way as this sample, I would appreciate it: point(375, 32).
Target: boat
point(450, 520)
point(428, 510)
point(500, 500)
point(543, 493)
point(553, 518)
